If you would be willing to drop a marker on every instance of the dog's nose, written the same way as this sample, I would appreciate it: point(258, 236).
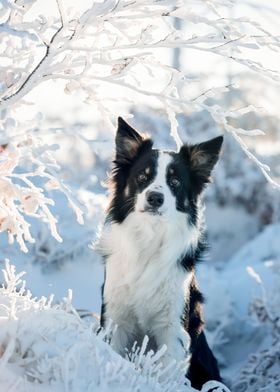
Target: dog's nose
point(155, 199)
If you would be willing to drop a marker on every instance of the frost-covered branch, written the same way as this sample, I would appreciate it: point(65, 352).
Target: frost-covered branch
point(21, 196)
point(105, 31)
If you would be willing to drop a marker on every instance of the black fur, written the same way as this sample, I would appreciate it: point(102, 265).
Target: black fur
point(190, 260)
point(203, 365)
point(103, 306)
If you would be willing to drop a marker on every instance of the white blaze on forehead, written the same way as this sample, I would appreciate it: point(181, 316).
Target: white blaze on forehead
point(164, 161)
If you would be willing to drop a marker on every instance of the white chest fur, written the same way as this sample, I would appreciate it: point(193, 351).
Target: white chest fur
point(145, 285)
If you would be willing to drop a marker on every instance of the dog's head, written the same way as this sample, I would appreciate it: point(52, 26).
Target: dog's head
point(159, 183)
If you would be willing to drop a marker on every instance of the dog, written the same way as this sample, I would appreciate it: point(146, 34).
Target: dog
point(151, 241)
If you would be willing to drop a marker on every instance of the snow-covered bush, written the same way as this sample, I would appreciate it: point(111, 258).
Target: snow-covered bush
point(46, 346)
point(238, 181)
point(261, 370)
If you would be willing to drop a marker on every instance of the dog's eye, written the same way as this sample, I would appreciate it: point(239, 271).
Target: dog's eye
point(142, 178)
point(174, 182)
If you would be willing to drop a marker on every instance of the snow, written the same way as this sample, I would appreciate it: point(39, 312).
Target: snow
point(45, 346)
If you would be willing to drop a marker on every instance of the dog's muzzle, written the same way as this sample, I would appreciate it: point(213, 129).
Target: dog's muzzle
point(154, 201)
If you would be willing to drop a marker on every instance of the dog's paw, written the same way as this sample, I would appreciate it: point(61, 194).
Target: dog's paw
point(178, 347)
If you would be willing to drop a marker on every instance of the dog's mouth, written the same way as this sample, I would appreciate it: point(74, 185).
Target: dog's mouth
point(152, 211)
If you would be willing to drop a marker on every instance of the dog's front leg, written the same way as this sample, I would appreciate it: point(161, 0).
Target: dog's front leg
point(126, 329)
point(120, 339)
point(177, 340)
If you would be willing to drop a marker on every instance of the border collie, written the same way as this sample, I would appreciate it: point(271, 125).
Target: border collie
point(151, 241)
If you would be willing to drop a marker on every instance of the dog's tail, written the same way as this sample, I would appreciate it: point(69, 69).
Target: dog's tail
point(203, 365)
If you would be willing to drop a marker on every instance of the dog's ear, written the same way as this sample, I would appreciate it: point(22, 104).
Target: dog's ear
point(202, 158)
point(128, 142)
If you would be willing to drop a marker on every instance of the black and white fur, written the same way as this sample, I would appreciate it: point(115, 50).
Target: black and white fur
point(151, 242)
